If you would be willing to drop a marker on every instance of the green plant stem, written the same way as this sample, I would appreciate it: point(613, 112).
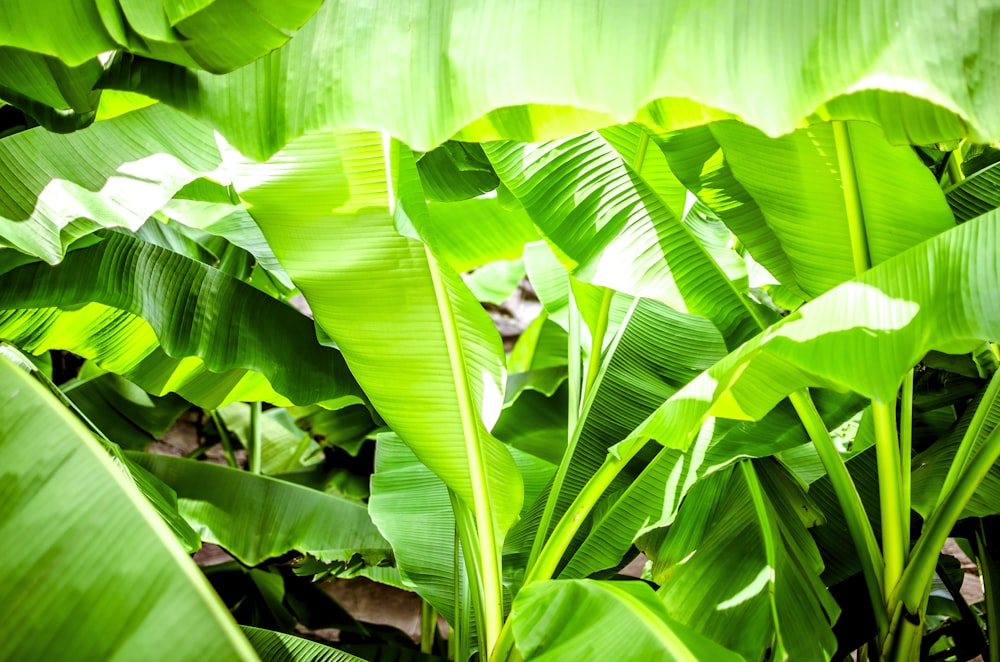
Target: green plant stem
point(489, 569)
point(858, 524)
point(428, 627)
point(968, 443)
point(227, 444)
point(919, 572)
point(954, 166)
point(991, 583)
point(465, 526)
point(256, 440)
point(852, 198)
point(597, 344)
point(574, 358)
point(574, 361)
point(573, 426)
point(906, 448)
point(894, 545)
point(562, 535)
point(570, 522)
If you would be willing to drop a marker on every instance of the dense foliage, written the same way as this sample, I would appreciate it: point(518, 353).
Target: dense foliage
point(764, 241)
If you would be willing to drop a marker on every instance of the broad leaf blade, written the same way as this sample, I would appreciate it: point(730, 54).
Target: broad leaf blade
point(133, 165)
point(390, 305)
point(238, 511)
point(582, 619)
point(279, 647)
point(169, 323)
point(132, 605)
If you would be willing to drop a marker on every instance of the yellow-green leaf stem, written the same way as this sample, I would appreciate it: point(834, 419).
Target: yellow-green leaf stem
point(906, 449)
point(255, 436)
point(894, 545)
point(489, 561)
point(852, 199)
point(919, 572)
point(428, 627)
point(597, 343)
point(858, 524)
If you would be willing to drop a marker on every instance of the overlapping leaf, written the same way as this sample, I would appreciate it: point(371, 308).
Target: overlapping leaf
point(169, 323)
point(424, 75)
point(217, 36)
point(325, 205)
point(575, 619)
point(863, 335)
point(256, 517)
point(783, 196)
point(116, 174)
point(60, 514)
point(614, 230)
point(768, 597)
point(279, 647)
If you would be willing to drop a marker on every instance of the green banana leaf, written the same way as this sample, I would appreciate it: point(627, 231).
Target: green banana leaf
point(656, 351)
point(391, 306)
point(279, 647)
point(739, 567)
point(216, 36)
point(612, 229)
point(937, 295)
point(412, 509)
point(162, 498)
point(795, 187)
point(284, 446)
point(976, 194)
point(241, 512)
point(215, 209)
point(169, 323)
point(930, 467)
point(134, 164)
point(424, 75)
point(128, 415)
point(57, 96)
point(583, 619)
point(136, 604)
point(456, 171)
point(652, 498)
point(500, 231)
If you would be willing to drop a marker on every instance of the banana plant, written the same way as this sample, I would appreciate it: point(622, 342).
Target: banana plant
point(766, 356)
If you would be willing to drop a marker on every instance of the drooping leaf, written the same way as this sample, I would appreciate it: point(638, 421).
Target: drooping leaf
point(59, 97)
point(740, 568)
point(796, 182)
point(160, 497)
point(936, 295)
point(129, 605)
point(652, 498)
point(256, 517)
point(456, 171)
point(169, 323)
point(579, 618)
point(976, 194)
point(424, 75)
point(128, 415)
point(197, 34)
point(612, 229)
point(133, 165)
point(412, 509)
point(279, 647)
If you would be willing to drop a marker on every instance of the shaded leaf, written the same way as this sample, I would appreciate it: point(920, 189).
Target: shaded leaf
point(130, 605)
